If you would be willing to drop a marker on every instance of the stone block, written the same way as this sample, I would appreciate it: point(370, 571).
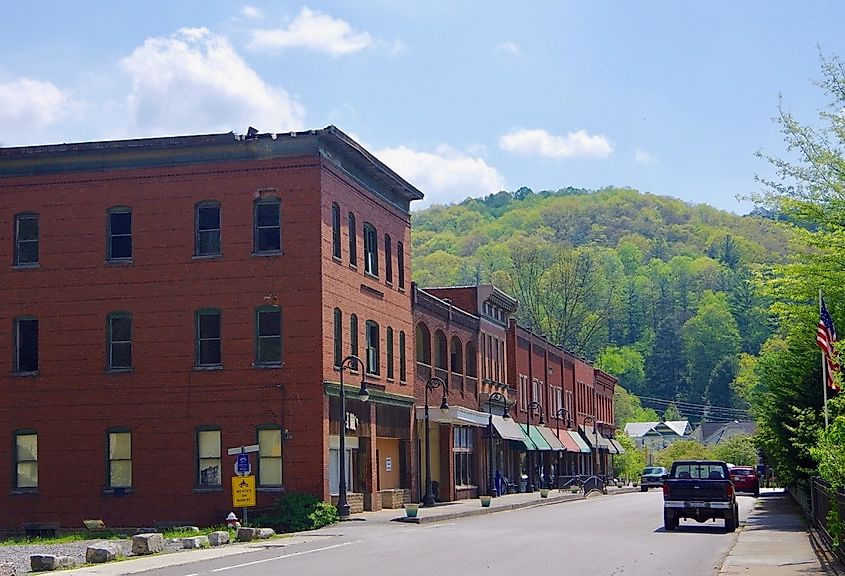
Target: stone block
point(218, 538)
point(265, 533)
point(247, 534)
point(45, 562)
point(195, 542)
point(147, 543)
point(100, 552)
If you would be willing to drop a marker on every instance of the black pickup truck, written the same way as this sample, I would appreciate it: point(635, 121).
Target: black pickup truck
point(700, 490)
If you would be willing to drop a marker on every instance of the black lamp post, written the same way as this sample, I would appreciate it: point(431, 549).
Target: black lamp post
point(529, 485)
point(587, 420)
point(433, 383)
point(348, 363)
point(559, 415)
point(499, 398)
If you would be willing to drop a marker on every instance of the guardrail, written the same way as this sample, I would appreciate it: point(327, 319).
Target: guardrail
point(822, 500)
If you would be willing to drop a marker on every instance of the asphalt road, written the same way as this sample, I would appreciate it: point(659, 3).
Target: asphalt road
point(604, 536)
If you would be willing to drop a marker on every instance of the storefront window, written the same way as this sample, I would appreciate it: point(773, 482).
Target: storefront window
point(463, 456)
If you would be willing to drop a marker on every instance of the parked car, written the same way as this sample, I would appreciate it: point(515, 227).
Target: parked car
point(745, 479)
point(699, 490)
point(653, 477)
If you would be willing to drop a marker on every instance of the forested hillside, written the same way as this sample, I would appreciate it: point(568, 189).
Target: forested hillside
point(656, 291)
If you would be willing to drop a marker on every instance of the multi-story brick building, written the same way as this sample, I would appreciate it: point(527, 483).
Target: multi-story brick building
point(166, 299)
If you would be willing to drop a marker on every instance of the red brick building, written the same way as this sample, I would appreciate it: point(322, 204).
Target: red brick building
point(167, 299)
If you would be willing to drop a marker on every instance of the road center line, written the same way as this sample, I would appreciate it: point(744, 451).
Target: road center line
point(283, 556)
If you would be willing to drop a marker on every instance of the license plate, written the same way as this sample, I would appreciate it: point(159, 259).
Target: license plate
point(696, 504)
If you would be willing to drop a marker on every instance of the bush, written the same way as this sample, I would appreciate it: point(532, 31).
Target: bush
point(297, 512)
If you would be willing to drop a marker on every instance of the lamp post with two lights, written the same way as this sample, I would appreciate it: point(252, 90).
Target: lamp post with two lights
point(587, 420)
point(433, 383)
point(349, 363)
point(498, 398)
point(562, 414)
point(529, 485)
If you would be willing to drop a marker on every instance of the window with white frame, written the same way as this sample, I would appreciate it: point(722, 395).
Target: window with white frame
point(370, 249)
point(270, 457)
point(372, 348)
point(120, 459)
point(26, 459)
point(463, 455)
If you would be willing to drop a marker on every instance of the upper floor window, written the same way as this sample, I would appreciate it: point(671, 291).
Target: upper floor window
point(353, 240)
point(338, 337)
point(353, 335)
point(120, 459)
point(207, 229)
point(389, 339)
point(400, 264)
point(208, 457)
point(372, 348)
point(268, 328)
point(270, 456)
point(26, 459)
point(119, 341)
point(388, 259)
point(26, 239)
point(26, 344)
point(370, 249)
point(268, 229)
point(335, 230)
point(402, 372)
point(120, 233)
point(208, 342)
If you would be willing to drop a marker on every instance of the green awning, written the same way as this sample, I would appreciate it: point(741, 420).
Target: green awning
point(534, 439)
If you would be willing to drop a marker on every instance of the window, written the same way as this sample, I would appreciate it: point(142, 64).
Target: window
point(270, 457)
point(471, 356)
point(353, 335)
point(208, 457)
point(120, 459)
point(402, 374)
point(353, 241)
point(440, 358)
point(26, 344)
point(268, 329)
point(119, 341)
point(338, 336)
point(334, 470)
point(120, 234)
point(335, 230)
point(400, 264)
point(207, 229)
point(26, 459)
point(389, 352)
point(372, 348)
point(26, 239)
point(208, 338)
point(423, 344)
point(370, 250)
point(388, 260)
point(456, 360)
point(463, 455)
point(268, 230)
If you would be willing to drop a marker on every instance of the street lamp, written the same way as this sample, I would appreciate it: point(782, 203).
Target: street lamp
point(433, 383)
point(499, 398)
point(348, 363)
point(529, 486)
point(588, 419)
point(559, 415)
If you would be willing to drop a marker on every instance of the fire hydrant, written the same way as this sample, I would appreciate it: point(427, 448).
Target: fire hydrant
point(232, 520)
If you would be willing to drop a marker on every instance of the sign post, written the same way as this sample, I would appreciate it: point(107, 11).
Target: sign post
point(243, 484)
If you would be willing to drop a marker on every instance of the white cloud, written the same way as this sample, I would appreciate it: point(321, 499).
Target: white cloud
point(510, 47)
point(30, 103)
point(644, 157)
point(194, 81)
point(578, 144)
point(251, 12)
point(314, 31)
point(445, 175)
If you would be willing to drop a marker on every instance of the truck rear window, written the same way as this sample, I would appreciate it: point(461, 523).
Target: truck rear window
point(698, 471)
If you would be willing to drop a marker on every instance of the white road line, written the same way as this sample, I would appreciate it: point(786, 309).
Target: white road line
point(283, 556)
point(440, 525)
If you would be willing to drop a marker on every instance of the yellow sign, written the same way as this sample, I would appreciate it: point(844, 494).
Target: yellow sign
point(243, 491)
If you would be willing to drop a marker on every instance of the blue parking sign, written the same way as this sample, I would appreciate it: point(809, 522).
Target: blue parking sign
point(242, 465)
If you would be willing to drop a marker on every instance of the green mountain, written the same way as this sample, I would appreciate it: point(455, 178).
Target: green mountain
point(657, 291)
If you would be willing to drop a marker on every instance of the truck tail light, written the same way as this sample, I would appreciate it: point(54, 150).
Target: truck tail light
point(665, 490)
point(729, 489)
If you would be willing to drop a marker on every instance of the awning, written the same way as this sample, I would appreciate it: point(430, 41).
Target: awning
point(454, 415)
point(611, 449)
point(568, 443)
point(603, 442)
point(550, 437)
point(580, 441)
point(535, 438)
point(507, 428)
point(619, 448)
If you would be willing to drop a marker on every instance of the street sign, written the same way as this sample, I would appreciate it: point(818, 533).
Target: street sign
point(243, 491)
point(242, 467)
point(241, 449)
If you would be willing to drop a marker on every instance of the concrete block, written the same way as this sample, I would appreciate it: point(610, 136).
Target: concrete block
point(195, 542)
point(100, 552)
point(147, 543)
point(218, 538)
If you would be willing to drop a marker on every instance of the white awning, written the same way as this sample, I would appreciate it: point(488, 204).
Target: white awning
point(454, 415)
point(507, 428)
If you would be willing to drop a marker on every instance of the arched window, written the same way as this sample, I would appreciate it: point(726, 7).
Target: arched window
point(440, 350)
point(372, 348)
point(370, 249)
point(402, 357)
point(400, 264)
point(423, 344)
point(471, 360)
point(388, 260)
point(338, 337)
point(353, 240)
point(389, 338)
point(456, 356)
point(353, 335)
point(335, 230)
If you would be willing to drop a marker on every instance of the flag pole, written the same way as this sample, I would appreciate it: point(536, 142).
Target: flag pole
point(824, 368)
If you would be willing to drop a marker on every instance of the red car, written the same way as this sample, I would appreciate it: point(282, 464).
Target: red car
point(745, 479)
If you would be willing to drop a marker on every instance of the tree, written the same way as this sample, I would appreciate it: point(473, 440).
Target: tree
point(629, 465)
point(681, 450)
point(739, 450)
point(672, 413)
point(627, 408)
point(627, 364)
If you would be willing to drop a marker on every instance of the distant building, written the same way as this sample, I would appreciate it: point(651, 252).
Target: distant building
point(712, 433)
point(658, 435)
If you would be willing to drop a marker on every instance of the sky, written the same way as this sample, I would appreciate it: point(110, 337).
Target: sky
point(462, 99)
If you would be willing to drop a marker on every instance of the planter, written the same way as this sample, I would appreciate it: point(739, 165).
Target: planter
point(574, 489)
point(485, 501)
point(411, 510)
point(544, 492)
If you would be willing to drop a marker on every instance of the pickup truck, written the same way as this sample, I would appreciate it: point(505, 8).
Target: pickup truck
point(700, 490)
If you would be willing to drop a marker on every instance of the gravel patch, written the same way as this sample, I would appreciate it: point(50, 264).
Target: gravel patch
point(18, 554)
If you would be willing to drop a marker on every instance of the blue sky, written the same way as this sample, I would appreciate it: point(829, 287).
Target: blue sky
point(460, 98)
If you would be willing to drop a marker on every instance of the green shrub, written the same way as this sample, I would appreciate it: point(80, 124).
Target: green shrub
point(297, 512)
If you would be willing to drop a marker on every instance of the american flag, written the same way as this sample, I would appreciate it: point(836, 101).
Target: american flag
point(825, 337)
